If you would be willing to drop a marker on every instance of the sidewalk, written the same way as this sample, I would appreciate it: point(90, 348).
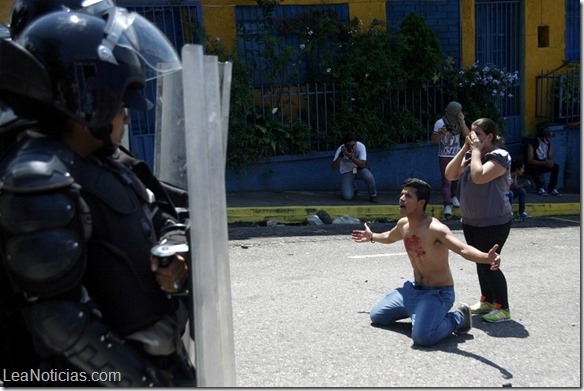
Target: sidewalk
point(292, 207)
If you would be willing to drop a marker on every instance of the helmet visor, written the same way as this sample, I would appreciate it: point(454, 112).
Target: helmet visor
point(134, 32)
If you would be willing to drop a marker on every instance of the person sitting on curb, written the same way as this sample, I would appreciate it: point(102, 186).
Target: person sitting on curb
point(540, 160)
point(351, 161)
point(516, 189)
point(427, 298)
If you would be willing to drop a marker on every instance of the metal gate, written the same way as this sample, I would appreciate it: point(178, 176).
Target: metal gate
point(498, 42)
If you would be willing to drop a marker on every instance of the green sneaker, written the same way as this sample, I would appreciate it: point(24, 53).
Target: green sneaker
point(497, 316)
point(481, 307)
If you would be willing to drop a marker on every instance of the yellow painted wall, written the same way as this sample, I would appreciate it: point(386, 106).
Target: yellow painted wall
point(219, 19)
point(367, 11)
point(541, 13)
point(467, 29)
point(5, 7)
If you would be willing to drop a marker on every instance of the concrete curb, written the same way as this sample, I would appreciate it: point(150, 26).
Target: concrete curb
point(297, 214)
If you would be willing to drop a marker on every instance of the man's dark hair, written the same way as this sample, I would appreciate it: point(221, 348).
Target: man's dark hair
point(422, 189)
point(349, 137)
point(517, 163)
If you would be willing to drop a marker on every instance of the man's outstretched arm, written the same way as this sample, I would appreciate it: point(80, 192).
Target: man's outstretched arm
point(467, 251)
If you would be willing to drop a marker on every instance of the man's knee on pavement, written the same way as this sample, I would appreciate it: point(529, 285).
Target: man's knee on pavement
point(422, 338)
point(377, 318)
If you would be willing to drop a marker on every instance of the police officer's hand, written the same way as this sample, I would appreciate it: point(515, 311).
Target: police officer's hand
point(172, 277)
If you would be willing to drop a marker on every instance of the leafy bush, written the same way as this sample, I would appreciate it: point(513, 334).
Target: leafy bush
point(373, 72)
point(479, 89)
point(423, 55)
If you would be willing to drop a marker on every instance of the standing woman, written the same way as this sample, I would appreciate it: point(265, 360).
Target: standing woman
point(484, 172)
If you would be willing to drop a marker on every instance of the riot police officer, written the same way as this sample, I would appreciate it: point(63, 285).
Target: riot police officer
point(77, 226)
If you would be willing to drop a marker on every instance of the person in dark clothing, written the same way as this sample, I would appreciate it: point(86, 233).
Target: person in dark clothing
point(540, 160)
point(516, 189)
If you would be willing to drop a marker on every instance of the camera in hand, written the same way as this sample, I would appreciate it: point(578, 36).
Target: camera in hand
point(449, 128)
point(349, 148)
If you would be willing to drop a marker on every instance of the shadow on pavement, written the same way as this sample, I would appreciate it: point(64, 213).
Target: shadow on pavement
point(505, 374)
point(450, 344)
point(508, 329)
point(404, 328)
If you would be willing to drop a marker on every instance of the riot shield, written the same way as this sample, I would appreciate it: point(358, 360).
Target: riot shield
point(170, 162)
point(190, 153)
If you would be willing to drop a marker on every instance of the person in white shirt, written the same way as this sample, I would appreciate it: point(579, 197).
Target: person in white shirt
point(446, 133)
point(351, 161)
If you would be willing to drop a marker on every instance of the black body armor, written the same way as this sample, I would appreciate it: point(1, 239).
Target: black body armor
point(76, 240)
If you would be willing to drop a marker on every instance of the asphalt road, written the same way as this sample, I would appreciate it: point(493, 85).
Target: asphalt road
point(301, 296)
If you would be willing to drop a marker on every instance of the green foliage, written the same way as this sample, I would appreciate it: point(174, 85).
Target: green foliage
point(423, 54)
point(370, 63)
point(374, 72)
point(479, 90)
point(367, 69)
point(362, 121)
point(322, 35)
point(261, 137)
point(277, 138)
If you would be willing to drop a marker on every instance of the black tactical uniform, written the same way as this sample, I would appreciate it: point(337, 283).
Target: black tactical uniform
point(77, 231)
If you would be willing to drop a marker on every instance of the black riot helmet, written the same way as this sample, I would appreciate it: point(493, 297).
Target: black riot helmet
point(22, 14)
point(25, 11)
point(92, 65)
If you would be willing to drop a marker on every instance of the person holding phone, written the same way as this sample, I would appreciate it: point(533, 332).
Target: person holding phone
point(351, 161)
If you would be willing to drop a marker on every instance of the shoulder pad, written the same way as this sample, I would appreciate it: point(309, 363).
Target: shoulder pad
point(38, 165)
point(27, 212)
point(47, 262)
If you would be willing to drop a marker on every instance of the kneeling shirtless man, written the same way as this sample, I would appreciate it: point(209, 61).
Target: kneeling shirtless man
point(429, 296)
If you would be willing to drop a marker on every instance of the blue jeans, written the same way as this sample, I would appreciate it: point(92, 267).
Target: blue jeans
point(427, 307)
point(518, 193)
point(348, 183)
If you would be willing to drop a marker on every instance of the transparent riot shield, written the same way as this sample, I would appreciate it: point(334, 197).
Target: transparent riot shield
point(190, 153)
point(170, 162)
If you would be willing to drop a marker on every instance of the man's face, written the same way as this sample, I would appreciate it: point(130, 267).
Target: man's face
point(350, 146)
point(521, 170)
point(408, 200)
point(120, 120)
